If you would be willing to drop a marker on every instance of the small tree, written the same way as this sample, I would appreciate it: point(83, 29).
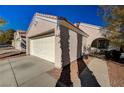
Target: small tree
point(113, 17)
point(7, 37)
point(2, 39)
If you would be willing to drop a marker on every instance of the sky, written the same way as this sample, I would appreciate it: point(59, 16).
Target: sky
point(19, 17)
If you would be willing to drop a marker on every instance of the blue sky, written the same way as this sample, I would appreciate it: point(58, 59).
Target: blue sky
point(19, 17)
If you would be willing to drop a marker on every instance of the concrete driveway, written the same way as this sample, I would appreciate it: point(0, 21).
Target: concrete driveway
point(26, 71)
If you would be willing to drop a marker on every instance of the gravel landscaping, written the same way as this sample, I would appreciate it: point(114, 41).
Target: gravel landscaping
point(116, 73)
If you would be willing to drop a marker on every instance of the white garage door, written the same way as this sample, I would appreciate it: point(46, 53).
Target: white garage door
point(43, 48)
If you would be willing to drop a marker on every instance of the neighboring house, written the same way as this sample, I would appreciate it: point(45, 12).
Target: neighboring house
point(55, 39)
point(97, 36)
point(19, 41)
point(13, 43)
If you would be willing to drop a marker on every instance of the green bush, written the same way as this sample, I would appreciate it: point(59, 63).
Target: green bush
point(7, 37)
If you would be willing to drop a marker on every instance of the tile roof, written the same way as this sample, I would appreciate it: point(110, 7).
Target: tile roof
point(46, 15)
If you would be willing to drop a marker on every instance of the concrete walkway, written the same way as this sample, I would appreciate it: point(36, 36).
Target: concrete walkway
point(27, 71)
point(100, 71)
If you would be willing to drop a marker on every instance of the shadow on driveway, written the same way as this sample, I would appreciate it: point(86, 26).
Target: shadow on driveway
point(86, 76)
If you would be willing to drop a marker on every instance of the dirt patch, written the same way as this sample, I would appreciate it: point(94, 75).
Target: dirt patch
point(55, 72)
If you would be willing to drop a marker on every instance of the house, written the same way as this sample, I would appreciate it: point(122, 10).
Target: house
point(97, 36)
point(19, 41)
point(55, 39)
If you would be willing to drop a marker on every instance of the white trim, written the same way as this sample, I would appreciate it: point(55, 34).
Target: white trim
point(90, 25)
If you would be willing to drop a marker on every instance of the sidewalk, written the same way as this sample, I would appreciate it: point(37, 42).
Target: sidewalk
point(100, 70)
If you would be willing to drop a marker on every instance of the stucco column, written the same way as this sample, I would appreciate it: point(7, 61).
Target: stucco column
point(27, 46)
point(58, 63)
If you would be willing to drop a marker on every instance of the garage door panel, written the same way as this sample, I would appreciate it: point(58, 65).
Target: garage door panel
point(43, 48)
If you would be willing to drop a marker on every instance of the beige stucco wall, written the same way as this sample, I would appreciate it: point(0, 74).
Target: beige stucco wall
point(40, 25)
point(73, 47)
point(58, 51)
point(94, 32)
